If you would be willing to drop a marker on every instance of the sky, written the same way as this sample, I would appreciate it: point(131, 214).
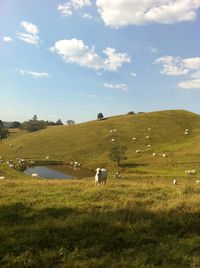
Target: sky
point(73, 59)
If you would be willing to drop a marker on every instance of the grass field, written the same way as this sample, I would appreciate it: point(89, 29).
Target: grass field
point(141, 220)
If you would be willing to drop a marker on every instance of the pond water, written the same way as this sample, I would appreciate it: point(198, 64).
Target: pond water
point(58, 172)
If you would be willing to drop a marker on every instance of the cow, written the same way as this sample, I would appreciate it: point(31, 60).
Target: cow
point(190, 172)
point(35, 175)
point(101, 176)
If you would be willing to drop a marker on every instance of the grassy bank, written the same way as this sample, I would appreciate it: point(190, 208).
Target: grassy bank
point(138, 222)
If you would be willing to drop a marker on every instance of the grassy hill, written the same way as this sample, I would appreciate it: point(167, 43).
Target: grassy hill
point(89, 142)
point(141, 221)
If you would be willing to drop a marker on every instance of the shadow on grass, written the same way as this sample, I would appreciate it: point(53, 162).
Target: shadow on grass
point(121, 233)
point(133, 165)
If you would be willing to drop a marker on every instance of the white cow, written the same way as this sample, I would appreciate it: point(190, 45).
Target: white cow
point(101, 176)
point(147, 137)
point(137, 151)
point(35, 175)
point(2, 178)
point(190, 172)
point(174, 182)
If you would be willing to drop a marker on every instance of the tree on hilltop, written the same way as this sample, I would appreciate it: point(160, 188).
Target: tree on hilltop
point(99, 116)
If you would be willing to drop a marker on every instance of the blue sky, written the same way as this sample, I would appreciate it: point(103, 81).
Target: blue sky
point(73, 59)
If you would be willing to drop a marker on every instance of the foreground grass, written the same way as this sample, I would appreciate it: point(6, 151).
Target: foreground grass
point(138, 222)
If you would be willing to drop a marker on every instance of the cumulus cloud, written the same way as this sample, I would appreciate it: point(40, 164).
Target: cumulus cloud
point(176, 66)
point(31, 33)
point(190, 84)
point(75, 51)
point(131, 12)
point(122, 87)
point(7, 39)
point(87, 16)
point(33, 74)
point(67, 8)
point(172, 66)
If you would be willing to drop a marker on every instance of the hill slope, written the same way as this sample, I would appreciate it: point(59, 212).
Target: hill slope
point(89, 142)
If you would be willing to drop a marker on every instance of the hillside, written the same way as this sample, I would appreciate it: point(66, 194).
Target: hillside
point(89, 142)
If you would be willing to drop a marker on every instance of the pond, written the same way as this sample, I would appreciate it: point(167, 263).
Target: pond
point(58, 172)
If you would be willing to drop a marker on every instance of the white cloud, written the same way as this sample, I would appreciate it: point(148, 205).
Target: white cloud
point(121, 13)
point(75, 51)
point(29, 27)
point(172, 66)
point(31, 33)
point(67, 8)
point(177, 66)
point(93, 96)
point(133, 74)
point(33, 74)
point(87, 16)
point(7, 39)
point(122, 87)
point(152, 50)
point(80, 3)
point(192, 63)
point(190, 84)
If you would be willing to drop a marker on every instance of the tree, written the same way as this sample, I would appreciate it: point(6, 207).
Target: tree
point(34, 125)
point(131, 113)
point(35, 117)
point(100, 116)
point(117, 154)
point(16, 124)
point(1, 124)
point(59, 122)
point(3, 133)
point(70, 122)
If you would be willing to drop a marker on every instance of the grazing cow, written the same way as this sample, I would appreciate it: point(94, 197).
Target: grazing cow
point(190, 172)
point(47, 157)
point(137, 151)
point(35, 175)
point(112, 140)
point(174, 182)
point(186, 133)
point(133, 138)
point(197, 181)
point(101, 176)
point(147, 137)
point(149, 129)
point(2, 178)
point(164, 155)
point(149, 146)
point(154, 154)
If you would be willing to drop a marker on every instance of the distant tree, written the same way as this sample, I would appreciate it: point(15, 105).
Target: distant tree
point(58, 122)
point(3, 133)
point(50, 123)
point(130, 113)
point(16, 124)
point(117, 154)
point(141, 112)
point(70, 122)
point(34, 125)
point(100, 116)
point(35, 117)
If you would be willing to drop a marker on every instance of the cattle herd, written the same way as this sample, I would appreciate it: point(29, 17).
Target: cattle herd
point(101, 173)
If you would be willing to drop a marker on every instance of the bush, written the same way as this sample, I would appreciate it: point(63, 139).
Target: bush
point(34, 125)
